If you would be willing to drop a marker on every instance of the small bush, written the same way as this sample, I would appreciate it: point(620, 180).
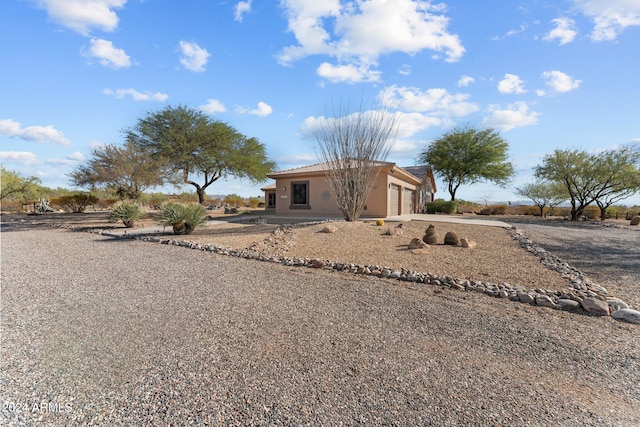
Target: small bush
point(499, 209)
point(126, 212)
point(183, 217)
point(379, 222)
point(441, 206)
point(74, 203)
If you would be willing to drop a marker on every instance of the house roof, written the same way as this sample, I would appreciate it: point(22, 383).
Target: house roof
point(312, 169)
point(321, 168)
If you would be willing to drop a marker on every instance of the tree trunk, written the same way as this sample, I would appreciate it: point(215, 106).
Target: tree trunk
point(603, 213)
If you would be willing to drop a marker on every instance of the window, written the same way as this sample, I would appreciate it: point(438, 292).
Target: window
point(271, 200)
point(300, 195)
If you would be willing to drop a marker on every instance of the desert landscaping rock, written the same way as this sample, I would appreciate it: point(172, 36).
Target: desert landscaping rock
point(595, 306)
point(451, 238)
point(635, 220)
point(628, 315)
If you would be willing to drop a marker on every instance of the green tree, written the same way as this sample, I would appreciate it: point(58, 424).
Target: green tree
point(604, 178)
point(467, 156)
point(196, 146)
point(619, 175)
point(576, 171)
point(16, 187)
point(544, 194)
point(126, 170)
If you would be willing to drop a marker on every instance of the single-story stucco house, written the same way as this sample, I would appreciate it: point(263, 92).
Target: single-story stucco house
point(305, 191)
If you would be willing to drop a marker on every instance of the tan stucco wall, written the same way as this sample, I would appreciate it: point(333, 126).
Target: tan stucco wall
point(322, 202)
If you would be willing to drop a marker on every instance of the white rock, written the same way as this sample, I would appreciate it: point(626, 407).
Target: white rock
point(628, 315)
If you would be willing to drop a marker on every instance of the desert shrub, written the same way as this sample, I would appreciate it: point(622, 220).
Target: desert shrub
point(183, 217)
point(126, 212)
point(379, 222)
point(107, 203)
point(441, 206)
point(591, 212)
point(233, 200)
point(499, 209)
point(254, 202)
point(467, 207)
point(74, 203)
point(10, 205)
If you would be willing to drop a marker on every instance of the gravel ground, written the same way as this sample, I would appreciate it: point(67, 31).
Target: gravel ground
point(97, 331)
point(610, 256)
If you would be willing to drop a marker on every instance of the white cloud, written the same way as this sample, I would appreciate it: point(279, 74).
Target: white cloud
point(76, 155)
point(404, 70)
point(564, 31)
point(24, 158)
point(610, 17)
point(212, 106)
point(194, 58)
point(82, 15)
point(515, 115)
point(11, 128)
point(263, 110)
point(135, 95)
point(358, 33)
point(511, 83)
point(410, 124)
point(70, 160)
point(242, 7)
point(435, 101)
point(347, 73)
point(108, 55)
point(559, 82)
point(465, 81)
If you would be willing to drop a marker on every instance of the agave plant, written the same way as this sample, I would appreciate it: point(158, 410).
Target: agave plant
point(127, 212)
point(183, 217)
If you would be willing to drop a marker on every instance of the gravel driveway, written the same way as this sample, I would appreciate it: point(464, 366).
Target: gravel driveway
point(98, 331)
point(610, 256)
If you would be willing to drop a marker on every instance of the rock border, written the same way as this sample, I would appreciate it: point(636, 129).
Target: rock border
point(582, 296)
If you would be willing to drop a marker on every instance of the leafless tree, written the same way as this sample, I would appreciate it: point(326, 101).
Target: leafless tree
point(354, 146)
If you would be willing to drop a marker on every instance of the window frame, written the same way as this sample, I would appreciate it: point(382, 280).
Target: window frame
point(294, 205)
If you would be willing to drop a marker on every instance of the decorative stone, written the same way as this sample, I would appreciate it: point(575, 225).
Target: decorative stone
point(416, 243)
point(329, 229)
point(568, 304)
point(466, 243)
point(430, 236)
point(595, 306)
point(616, 304)
point(452, 239)
point(628, 315)
point(317, 263)
point(525, 297)
point(393, 232)
point(545, 301)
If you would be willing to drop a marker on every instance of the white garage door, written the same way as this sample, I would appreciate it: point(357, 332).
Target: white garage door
point(408, 201)
point(394, 200)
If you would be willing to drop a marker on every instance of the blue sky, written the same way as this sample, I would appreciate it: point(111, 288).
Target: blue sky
point(545, 74)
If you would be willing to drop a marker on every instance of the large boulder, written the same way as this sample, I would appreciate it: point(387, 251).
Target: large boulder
point(452, 239)
point(430, 235)
point(416, 244)
point(635, 220)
